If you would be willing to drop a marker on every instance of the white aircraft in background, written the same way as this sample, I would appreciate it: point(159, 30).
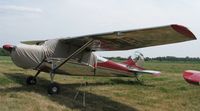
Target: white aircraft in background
point(74, 55)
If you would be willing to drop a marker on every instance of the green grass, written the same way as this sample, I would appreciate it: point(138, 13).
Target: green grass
point(168, 92)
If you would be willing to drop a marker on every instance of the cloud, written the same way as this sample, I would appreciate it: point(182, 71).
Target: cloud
point(19, 9)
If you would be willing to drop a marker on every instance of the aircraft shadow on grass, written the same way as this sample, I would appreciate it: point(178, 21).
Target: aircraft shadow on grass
point(68, 91)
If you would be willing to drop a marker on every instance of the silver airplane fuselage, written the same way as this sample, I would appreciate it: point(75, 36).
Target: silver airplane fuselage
point(29, 56)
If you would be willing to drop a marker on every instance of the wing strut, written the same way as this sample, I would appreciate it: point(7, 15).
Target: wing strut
point(75, 53)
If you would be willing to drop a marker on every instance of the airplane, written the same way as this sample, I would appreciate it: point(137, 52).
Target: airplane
point(74, 55)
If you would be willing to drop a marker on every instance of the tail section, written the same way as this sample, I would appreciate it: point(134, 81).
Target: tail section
point(129, 62)
point(135, 62)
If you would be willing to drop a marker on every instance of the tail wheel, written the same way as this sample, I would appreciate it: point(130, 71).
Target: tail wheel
point(31, 80)
point(138, 77)
point(53, 88)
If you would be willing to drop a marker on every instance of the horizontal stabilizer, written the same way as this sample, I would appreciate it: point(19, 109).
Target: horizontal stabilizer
point(157, 73)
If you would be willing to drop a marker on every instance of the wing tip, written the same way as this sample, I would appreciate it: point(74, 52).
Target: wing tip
point(183, 30)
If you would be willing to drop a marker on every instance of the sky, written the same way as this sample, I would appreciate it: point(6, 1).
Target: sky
point(22, 20)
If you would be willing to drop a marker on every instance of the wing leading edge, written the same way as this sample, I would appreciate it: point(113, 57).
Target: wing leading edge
point(132, 39)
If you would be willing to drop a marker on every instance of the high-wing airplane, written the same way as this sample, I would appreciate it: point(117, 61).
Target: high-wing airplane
point(73, 55)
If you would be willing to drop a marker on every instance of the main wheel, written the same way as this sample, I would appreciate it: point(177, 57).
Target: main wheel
point(31, 80)
point(53, 88)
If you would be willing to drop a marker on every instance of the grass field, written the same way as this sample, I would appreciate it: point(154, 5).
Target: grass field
point(169, 92)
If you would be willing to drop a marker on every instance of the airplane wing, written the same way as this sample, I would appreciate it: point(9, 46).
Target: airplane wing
point(34, 42)
point(132, 39)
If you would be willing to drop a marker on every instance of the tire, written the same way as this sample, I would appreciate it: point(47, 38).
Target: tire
point(53, 88)
point(31, 80)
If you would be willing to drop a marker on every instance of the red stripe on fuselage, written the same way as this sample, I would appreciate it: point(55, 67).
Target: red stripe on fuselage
point(112, 65)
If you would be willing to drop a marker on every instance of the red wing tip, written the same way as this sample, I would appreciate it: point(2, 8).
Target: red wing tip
point(183, 30)
point(192, 76)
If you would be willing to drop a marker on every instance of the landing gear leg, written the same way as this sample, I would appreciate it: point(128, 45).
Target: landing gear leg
point(53, 88)
point(31, 80)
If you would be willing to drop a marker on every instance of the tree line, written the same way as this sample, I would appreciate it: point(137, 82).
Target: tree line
point(172, 58)
point(167, 58)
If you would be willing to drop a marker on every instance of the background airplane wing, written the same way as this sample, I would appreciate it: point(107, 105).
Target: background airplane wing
point(132, 39)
